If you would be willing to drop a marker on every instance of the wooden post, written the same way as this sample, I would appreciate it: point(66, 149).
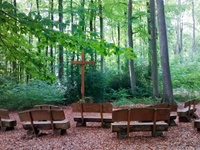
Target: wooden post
point(82, 63)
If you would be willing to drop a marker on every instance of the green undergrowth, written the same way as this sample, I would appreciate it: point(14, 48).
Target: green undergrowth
point(23, 96)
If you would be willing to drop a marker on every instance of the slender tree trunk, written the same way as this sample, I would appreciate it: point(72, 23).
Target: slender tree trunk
point(92, 25)
point(118, 57)
point(51, 47)
point(61, 63)
point(130, 41)
point(166, 76)
point(101, 33)
point(179, 32)
point(154, 67)
point(14, 63)
point(95, 29)
point(38, 13)
point(72, 31)
point(149, 40)
point(193, 30)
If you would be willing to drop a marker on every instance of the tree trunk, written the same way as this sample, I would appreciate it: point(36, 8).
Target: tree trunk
point(71, 79)
point(101, 32)
point(60, 47)
point(193, 30)
point(154, 67)
point(179, 32)
point(14, 63)
point(118, 57)
point(51, 47)
point(130, 41)
point(149, 40)
point(166, 76)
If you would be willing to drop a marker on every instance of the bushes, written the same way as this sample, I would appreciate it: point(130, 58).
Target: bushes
point(23, 96)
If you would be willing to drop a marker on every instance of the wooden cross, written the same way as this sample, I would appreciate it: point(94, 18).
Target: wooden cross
point(82, 63)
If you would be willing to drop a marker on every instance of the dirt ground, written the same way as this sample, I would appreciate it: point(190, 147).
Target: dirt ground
point(181, 137)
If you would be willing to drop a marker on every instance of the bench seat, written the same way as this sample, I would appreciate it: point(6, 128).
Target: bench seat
point(93, 119)
point(188, 111)
point(6, 123)
point(139, 126)
point(197, 124)
point(46, 125)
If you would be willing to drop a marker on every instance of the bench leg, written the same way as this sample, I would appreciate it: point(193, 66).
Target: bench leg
point(81, 124)
point(106, 125)
point(122, 134)
point(6, 128)
point(59, 131)
point(195, 116)
point(172, 123)
point(157, 134)
point(184, 119)
point(31, 132)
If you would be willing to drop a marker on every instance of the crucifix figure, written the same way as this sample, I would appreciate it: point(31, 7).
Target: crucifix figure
point(82, 63)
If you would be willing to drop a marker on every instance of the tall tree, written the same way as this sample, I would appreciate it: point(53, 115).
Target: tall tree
point(130, 41)
point(38, 13)
point(101, 32)
point(60, 47)
point(51, 46)
point(179, 31)
point(14, 63)
point(193, 30)
point(154, 50)
point(166, 76)
point(119, 41)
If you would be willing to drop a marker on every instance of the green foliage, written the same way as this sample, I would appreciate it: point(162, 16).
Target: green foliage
point(186, 76)
point(95, 85)
point(23, 96)
point(124, 101)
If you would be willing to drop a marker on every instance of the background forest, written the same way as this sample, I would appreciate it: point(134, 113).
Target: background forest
point(40, 38)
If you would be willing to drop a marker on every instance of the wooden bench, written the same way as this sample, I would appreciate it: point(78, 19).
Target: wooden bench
point(5, 122)
point(134, 120)
point(197, 124)
point(173, 111)
point(46, 106)
point(188, 111)
point(86, 110)
point(35, 120)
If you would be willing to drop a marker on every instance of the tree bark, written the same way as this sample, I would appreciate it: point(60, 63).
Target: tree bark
point(179, 32)
point(60, 47)
point(118, 57)
point(193, 30)
point(51, 47)
point(130, 41)
point(101, 33)
point(166, 76)
point(154, 67)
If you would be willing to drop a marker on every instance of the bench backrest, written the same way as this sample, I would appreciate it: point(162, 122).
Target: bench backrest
point(173, 107)
point(141, 114)
point(92, 107)
point(4, 114)
point(46, 106)
point(41, 114)
point(191, 104)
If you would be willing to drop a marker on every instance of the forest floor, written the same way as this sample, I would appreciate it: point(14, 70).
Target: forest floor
point(181, 137)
